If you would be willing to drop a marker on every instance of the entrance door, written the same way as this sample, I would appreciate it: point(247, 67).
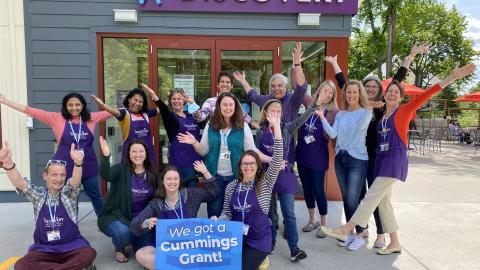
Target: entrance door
point(181, 63)
point(259, 59)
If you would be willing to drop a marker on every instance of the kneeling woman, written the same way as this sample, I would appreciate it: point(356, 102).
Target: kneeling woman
point(248, 199)
point(133, 183)
point(171, 203)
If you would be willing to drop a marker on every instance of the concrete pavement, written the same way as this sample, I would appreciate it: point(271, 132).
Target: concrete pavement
point(438, 210)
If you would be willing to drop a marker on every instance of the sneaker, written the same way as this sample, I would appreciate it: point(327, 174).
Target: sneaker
point(321, 234)
point(379, 244)
point(357, 243)
point(347, 242)
point(297, 255)
point(311, 226)
point(274, 247)
point(91, 267)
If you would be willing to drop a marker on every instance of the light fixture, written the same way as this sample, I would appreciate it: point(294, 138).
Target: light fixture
point(125, 15)
point(311, 19)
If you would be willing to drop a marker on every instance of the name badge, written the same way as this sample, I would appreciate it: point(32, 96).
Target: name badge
point(225, 155)
point(53, 235)
point(246, 227)
point(309, 139)
point(384, 147)
point(81, 151)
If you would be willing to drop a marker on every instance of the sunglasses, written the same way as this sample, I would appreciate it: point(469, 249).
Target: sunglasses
point(55, 162)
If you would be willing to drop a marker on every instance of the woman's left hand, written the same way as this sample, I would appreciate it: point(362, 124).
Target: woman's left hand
point(150, 92)
point(200, 167)
point(375, 104)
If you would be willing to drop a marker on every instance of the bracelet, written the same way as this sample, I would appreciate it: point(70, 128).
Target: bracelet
point(297, 65)
point(78, 165)
point(9, 169)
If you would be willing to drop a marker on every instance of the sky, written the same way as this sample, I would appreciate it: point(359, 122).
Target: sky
point(471, 10)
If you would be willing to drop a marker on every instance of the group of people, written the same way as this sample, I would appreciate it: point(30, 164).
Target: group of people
point(241, 178)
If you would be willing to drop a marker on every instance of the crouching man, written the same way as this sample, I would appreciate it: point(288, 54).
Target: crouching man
point(58, 243)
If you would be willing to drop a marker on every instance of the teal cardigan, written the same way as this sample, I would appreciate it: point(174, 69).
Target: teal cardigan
point(235, 146)
point(118, 205)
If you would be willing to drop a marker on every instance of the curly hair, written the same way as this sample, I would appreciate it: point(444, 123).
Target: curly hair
point(84, 114)
point(136, 91)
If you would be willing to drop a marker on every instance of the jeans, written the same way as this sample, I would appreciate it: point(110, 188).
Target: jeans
point(92, 189)
point(289, 220)
point(121, 236)
point(351, 173)
point(215, 206)
point(187, 174)
point(313, 183)
point(370, 179)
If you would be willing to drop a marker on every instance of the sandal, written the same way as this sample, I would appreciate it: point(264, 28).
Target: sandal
point(121, 257)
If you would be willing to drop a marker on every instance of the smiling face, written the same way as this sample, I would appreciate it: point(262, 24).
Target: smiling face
point(279, 89)
point(55, 177)
point(177, 102)
point(74, 106)
point(352, 95)
point(227, 107)
point(137, 154)
point(224, 84)
point(371, 87)
point(171, 181)
point(393, 96)
point(135, 103)
point(248, 165)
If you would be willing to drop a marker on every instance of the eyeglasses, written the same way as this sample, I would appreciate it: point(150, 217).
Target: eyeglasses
point(248, 164)
point(56, 162)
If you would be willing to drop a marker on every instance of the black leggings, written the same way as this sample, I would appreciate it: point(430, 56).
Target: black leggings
point(252, 258)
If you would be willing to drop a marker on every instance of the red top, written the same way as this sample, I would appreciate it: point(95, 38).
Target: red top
point(406, 111)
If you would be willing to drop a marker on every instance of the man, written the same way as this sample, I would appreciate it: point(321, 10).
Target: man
point(58, 243)
point(224, 84)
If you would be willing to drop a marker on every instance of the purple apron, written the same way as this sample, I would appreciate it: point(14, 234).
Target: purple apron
point(259, 232)
point(287, 182)
point(142, 193)
point(140, 130)
point(82, 137)
point(70, 237)
point(315, 154)
point(177, 213)
point(391, 162)
point(181, 154)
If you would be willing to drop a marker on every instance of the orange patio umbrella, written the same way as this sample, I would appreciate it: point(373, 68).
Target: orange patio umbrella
point(472, 97)
point(410, 89)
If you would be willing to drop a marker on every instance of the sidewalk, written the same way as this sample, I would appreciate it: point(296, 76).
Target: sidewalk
point(438, 210)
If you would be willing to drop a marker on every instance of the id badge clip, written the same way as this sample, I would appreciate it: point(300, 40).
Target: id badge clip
point(53, 235)
point(246, 227)
point(384, 147)
point(309, 139)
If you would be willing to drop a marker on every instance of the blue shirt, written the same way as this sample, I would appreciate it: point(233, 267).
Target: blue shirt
point(350, 129)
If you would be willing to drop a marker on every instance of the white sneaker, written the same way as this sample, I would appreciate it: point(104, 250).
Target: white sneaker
point(356, 244)
point(349, 240)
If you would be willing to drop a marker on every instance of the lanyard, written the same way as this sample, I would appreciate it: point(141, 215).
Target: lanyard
point(181, 207)
point(52, 216)
point(384, 126)
point(224, 136)
point(310, 125)
point(244, 206)
point(76, 137)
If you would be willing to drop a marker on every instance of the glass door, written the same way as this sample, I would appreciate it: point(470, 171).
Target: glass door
point(181, 63)
point(257, 58)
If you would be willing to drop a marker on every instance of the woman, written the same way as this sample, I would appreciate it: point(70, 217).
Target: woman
point(133, 183)
point(350, 129)
point(224, 139)
point(171, 202)
point(287, 183)
point(391, 164)
point(373, 87)
point(134, 120)
point(248, 199)
point(177, 121)
point(74, 124)
point(314, 142)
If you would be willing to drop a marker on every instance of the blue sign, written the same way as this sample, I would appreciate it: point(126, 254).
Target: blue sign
point(198, 243)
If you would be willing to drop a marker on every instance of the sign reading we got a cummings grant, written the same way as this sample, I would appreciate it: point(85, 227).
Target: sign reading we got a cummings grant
point(198, 243)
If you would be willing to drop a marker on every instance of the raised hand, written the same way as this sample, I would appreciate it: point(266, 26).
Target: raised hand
point(76, 155)
point(5, 153)
point(186, 138)
point(460, 72)
point(149, 91)
point(104, 147)
point(97, 100)
point(188, 99)
point(200, 167)
point(239, 76)
point(331, 59)
point(297, 53)
point(274, 119)
point(419, 48)
point(375, 104)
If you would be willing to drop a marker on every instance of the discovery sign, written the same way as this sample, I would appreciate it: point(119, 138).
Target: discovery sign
point(254, 6)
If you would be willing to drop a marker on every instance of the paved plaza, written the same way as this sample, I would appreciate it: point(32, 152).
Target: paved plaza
point(438, 210)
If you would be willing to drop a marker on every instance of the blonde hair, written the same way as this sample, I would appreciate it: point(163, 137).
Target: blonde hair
point(363, 99)
point(263, 112)
point(332, 104)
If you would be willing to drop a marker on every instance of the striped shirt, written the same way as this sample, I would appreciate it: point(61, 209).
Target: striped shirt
point(265, 195)
point(38, 195)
